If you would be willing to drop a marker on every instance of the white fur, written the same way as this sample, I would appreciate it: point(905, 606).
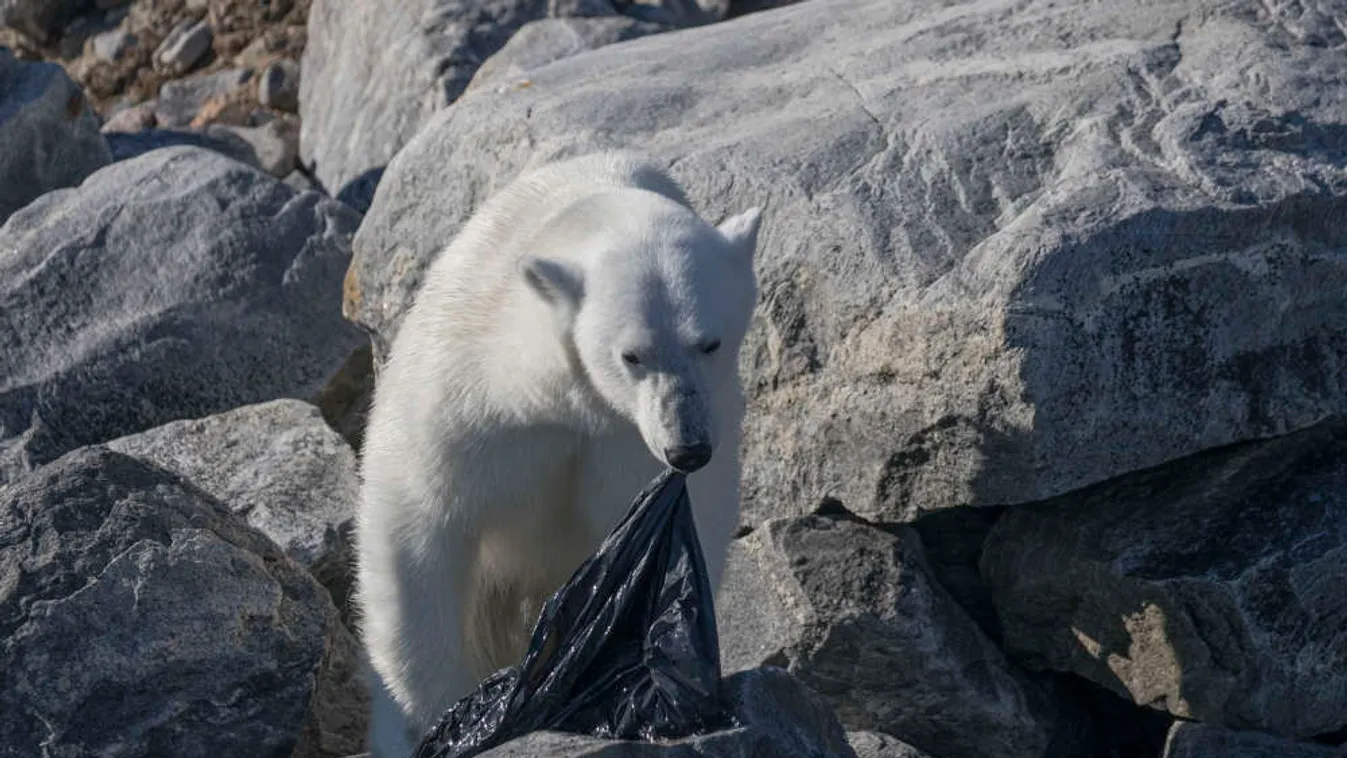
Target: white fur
point(509, 434)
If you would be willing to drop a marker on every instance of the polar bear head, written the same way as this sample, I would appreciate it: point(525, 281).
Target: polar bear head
point(653, 304)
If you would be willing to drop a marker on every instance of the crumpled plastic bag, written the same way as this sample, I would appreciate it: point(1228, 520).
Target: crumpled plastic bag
point(627, 649)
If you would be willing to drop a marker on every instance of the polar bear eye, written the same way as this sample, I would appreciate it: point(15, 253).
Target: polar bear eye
point(630, 358)
point(710, 346)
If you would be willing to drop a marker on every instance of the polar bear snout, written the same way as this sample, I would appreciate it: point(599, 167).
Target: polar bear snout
point(688, 458)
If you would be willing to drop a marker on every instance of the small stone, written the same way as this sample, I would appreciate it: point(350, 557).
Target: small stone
point(110, 46)
point(136, 118)
point(279, 86)
point(184, 47)
point(181, 100)
point(275, 144)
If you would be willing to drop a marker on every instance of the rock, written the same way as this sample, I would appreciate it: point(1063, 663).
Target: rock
point(111, 45)
point(677, 12)
point(276, 145)
point(177, 284)
point(40, 20)
point(302, 183)
point(540, 42)
point(277, 466)
point(135, 118)
point(48, 135)
point(181, 99)
point(1209, 587)
point(878, 745)
point(1191, 740)
point(138, 617)
point(279, 86)
point(855, 614)
point(219, 139)
point(374, 73)
point(345, 401)
point(184, 47)
point(1003, 257)
point(778, 719)
point(743, 7)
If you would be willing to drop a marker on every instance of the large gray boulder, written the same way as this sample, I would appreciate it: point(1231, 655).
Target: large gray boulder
point(374, 72)
point(49, 135)
point(777, 718)
point(174, 285)
point(280, 468)
point(853, 611)
point(1005, 255)
point(40, 20)
point(138, 617)
point(1211, 588)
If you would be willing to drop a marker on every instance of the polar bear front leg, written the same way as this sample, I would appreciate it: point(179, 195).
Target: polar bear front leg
point(412, 590)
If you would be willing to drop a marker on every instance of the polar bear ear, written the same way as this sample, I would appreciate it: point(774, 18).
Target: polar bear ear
point(557, 283)
point(742, 230)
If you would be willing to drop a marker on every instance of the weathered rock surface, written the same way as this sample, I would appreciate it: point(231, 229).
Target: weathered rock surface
point(138, 617)
point(277, 466)
point(778, 719)
point(878, 745)
point(374, 74)
point(275, 145)
point(1191, 740)
point(540, 42)
point(1209, 587)
point(1006, 254)
point(174, 285)
point(855, 614)
point(48, 136)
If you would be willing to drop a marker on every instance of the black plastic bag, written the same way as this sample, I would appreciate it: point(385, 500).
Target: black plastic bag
point(627, 649)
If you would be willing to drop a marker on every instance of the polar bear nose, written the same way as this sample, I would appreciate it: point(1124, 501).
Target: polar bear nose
point(688, 458)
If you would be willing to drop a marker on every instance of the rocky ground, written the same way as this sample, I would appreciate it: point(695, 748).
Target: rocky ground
point(1047, 446)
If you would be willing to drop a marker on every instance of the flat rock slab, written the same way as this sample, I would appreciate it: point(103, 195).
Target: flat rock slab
point(49, 135)
point(1211, 588)
point(855, 613)
point(1192, 740)
point(138, 617)
point(174, 285)
point(1009, 250)
point(778, 717)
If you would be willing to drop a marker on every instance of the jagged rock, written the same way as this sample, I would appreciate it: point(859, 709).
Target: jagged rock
point(138, 617)
point(854, 612)
point(1209, 587)
point(184, 47)
point(133, 118)
point(1003, 256)
point(778, 719)
point(278, 467)
point(279, 86)
point(540, 42)
point(174, 285)
point(48, 135)
point(1192, 740)
point(877, 745)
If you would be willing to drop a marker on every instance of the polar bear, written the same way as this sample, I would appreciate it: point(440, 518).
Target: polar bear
point(580, 333)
